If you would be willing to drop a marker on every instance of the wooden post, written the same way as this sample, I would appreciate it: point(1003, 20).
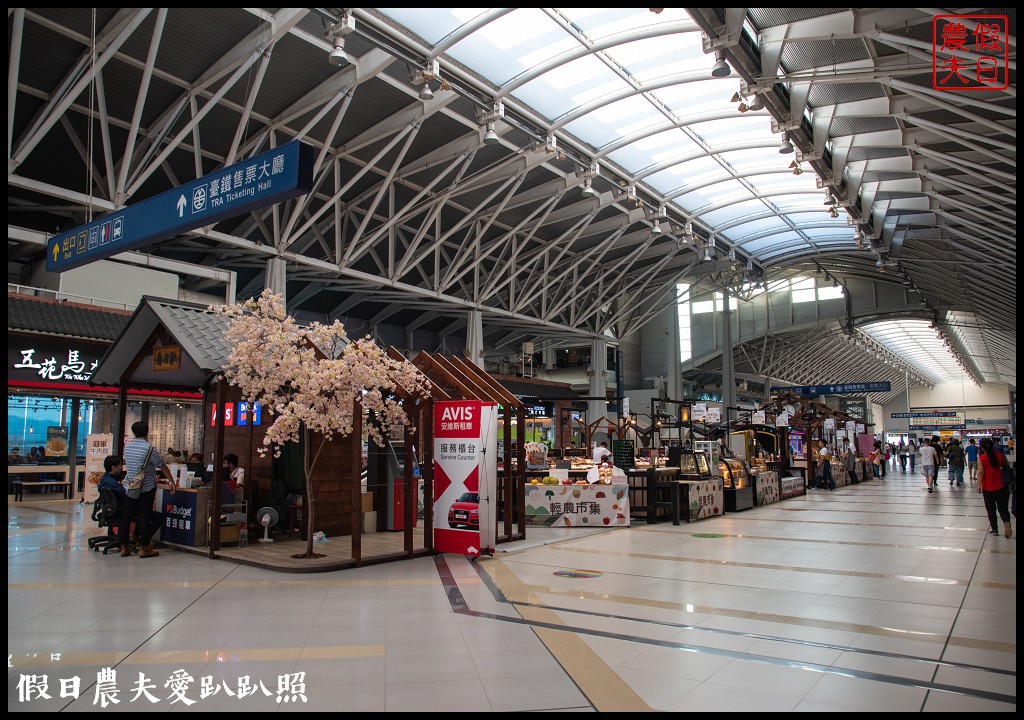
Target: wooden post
point(427, 473)
point(218, 468)
point(409, 436)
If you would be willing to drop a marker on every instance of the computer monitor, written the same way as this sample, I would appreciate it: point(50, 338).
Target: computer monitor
point(199, 469)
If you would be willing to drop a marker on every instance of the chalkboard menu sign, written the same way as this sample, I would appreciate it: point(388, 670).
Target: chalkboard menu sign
point(623, 453)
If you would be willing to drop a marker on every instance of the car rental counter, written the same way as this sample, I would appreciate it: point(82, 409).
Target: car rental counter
point(604, 503)
point(186, 514)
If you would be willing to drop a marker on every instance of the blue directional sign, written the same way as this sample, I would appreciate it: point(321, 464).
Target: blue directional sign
point(847, 389)
point(279, 174)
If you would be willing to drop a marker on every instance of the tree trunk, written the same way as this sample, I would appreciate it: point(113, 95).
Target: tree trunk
point(308, 465)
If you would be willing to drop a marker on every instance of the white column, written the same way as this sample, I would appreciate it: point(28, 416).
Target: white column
point(276, 278)
point(597, 409)
point(475, 338)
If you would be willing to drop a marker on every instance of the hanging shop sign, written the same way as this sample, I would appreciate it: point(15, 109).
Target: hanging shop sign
point(51, 360)
point(279, 174)
point(757, 417)
point(465, 477)
point(782, 419)
point(167, 357)
point(700, 412)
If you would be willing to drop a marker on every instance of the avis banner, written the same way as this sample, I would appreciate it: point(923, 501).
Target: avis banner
point(465, 476)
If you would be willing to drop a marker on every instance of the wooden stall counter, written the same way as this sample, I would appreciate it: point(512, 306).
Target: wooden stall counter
point(597, 505)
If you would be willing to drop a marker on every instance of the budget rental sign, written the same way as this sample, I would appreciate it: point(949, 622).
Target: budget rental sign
point(465, 476)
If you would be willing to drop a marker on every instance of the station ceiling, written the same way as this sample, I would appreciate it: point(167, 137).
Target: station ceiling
point(560, 170)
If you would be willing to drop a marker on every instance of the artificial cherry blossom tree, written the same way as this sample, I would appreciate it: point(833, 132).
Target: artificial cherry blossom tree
point(312, 379)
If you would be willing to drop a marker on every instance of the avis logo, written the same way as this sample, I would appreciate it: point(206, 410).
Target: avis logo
point(457, 413)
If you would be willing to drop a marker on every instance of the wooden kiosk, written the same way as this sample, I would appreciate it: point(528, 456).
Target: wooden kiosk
point(194, 337)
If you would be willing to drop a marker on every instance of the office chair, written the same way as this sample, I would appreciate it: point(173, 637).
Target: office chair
point(107, 511)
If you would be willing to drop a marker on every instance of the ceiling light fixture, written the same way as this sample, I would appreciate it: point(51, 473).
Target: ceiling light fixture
point(336, 33)
point(743, 107)
point(490, 137)
point(588, 189)
point(660, 213)
point(833, 212)
point(785, 147)
point(736, 97)
point(721, 68)
point(829, 198)
point(337, 56)
point(757, 103)
point(425, 92)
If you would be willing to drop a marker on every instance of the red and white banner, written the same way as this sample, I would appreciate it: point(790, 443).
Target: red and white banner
point(465, 476)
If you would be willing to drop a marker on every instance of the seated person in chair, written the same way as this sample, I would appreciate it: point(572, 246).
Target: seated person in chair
point(113, 474)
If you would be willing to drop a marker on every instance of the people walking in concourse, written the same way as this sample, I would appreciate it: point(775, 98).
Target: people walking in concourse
point(956, 458)
point(929, 463)
point(992, 487)
point(912, 451)
point(971, 451)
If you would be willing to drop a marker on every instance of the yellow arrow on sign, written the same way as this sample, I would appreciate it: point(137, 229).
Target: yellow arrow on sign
point(55, 252)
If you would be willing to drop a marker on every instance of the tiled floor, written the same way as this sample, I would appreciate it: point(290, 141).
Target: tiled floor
point(875, 597)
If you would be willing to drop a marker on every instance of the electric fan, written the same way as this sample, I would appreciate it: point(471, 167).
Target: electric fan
point(267, 517)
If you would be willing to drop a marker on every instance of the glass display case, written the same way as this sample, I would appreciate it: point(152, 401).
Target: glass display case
point(694, 464)
point(733, 472)
point(739, 492)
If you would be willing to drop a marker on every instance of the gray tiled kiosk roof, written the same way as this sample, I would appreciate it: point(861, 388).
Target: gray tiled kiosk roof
point(198, 332)
point(67, 319)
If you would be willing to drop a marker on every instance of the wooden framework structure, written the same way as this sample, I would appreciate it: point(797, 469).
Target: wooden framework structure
point(463, 380)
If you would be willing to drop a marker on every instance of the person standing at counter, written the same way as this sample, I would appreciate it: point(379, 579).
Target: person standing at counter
point(137, 453)
point(236, 475)
point(824, 468)
point(849, 459)
point(601, 452)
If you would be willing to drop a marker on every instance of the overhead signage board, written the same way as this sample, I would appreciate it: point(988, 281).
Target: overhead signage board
point(846, 389)
point(279, 174)
point(924, 414)
point(938, 421)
